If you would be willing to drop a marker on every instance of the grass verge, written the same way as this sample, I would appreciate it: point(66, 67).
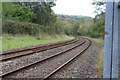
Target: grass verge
point(99, 42)
point(100, 59)
point(99, 64)
point(18, 41)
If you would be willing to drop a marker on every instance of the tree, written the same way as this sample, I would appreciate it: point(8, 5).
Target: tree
point(17, 11)
point(43, 11)
point(97, 29)
point(100, 7)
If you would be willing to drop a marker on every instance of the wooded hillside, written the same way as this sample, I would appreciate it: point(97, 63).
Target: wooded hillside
point(35, 18)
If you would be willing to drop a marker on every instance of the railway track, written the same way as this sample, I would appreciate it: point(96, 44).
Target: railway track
point(85, 42)
point(7, 55)
point(70, 60)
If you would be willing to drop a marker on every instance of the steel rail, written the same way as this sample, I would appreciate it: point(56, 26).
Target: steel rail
point(30, 47)
point(38, 49)
point(18, 69)
point(56, 70)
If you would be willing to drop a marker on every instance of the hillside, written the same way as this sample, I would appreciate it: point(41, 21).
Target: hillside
point(74, 17)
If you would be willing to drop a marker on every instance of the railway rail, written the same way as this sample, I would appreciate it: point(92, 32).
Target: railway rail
point(85, 42)
point(71, 59)
point(7, 55)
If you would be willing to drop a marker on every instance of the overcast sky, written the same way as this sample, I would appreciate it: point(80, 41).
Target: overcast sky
point(74, 7)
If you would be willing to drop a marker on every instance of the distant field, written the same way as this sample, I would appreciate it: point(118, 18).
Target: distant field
point(18, 41)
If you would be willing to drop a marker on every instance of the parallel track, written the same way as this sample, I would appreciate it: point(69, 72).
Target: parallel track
point(70, 60)
point(59, 53)
point(23, 52)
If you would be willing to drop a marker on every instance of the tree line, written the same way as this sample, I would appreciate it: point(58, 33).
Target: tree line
point(74, 17)
point(25, 17)
point(35, 18)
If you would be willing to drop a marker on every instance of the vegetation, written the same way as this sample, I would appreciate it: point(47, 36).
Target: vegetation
point(99, 42)
point(72, 16)
point(97, 29)
point(17, 11)
point(99, 64)
point(37, 18)
point(100, 59)
point(81, 27)
point(12, 26)
point(18, 41)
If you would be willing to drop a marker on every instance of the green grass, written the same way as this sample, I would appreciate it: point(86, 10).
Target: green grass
point(98, 41)
point(100, 59)
point(99, 64)
point(18, 41)
point(0, 43)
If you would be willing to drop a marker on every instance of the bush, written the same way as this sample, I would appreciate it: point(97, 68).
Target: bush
point(18, 11)
point(17, 27)
point(97, 29)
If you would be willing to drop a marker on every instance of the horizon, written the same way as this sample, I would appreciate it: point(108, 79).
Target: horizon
point(74, 15)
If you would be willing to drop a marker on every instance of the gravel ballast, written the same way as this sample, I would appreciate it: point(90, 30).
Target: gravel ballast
point(22, 61)
point(82, 66)
point(40, 70)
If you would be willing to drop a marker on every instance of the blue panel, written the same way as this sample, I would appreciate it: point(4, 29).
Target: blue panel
point(112, 41)
point(108, 40)
point(119, 39)
point(115, 43)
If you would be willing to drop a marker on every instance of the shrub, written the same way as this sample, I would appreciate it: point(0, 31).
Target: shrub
point(11, 26)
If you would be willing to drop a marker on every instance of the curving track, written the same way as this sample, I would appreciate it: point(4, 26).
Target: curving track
point(11, 54)
point(49, 65)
